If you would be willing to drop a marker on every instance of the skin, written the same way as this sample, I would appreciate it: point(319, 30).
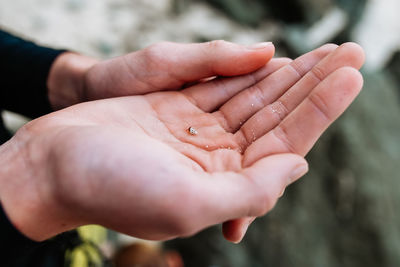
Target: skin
point(129, 163)
point(159, 67)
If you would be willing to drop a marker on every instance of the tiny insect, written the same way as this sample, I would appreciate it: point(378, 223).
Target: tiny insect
point(192, 131)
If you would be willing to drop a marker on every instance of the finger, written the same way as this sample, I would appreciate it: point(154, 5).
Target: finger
point(210, 95)
point(171, 65)
point(241, 107)
point(191, 62)
point(349, 54)
point(252, 192)
point(235, 230)
point(167, 65)
point(298, 132)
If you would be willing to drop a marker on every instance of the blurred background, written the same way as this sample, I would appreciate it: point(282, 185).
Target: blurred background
point(346, 211)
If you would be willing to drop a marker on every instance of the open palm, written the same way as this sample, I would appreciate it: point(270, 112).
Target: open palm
point(132, 164)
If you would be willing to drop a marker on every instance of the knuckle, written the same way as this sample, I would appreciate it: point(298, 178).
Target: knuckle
point(156, 52)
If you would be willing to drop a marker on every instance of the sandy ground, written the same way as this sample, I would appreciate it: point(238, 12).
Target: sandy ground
point(107, 28)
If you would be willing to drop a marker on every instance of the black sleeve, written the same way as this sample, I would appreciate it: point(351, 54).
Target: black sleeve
point(18, 251)
point(24, 67)
point(12, 243)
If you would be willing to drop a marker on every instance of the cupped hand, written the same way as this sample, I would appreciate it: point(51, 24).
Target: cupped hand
point(131, 163)
point(76, 78)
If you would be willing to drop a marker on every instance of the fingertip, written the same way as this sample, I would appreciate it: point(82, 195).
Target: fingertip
point(298, 171)
point(265, 50)
point(357, 76)
point(328, 48)
point(353, 78)
point(229, 232)
point(355, 52)
point(283, 60)
point(279, 62)
point(259, 54)
point(233, 231)
point(232, 59)
point(283, 170)
point(298, 166)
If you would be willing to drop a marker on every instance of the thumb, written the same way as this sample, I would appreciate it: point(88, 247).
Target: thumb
point(192, 62)
point(171, 65)
point(266, 179)
point(274, 173)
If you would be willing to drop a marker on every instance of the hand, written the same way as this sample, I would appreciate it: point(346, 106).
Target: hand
point(297, 112)
point(131, 165)
point(164, 66)
point(46, 183)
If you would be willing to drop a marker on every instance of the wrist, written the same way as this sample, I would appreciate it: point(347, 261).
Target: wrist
point(16, 195)
point(66, 81)
point(26, 190)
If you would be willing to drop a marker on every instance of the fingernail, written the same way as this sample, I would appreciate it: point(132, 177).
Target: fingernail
point(297, 172)
point(258, 46)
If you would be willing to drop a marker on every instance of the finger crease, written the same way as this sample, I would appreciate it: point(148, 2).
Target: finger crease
point(317, 73)
point(259, 95)
point(320, 106)
point(280, 133)
point(243, 140)
point(191, 99)
point(295, 67)
point(225, 121)
point(252, 76)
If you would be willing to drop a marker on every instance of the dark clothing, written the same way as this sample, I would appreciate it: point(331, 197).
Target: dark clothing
point(24, 68)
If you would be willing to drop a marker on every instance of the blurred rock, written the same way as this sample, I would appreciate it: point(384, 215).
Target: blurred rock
point(13, 121)
point(303, 39)
point(245, 12)
point(378, 32)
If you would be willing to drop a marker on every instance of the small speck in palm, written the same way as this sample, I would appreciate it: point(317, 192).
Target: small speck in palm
point(192, 131)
